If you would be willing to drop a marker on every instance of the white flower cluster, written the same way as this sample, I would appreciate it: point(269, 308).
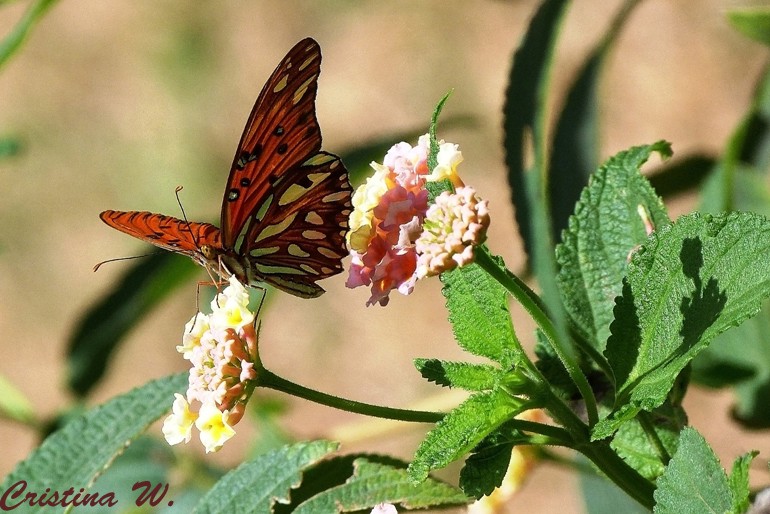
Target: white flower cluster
point(222, 348)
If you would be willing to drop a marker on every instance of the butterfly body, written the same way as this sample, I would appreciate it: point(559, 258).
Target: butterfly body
point(285, 206)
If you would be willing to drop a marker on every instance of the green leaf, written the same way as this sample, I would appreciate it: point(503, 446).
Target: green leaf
point(747, 149)
point(14, 405)
point(739, 481)
point(461, 430)
point(255, 486)
point(478, 311)
point(639, 448)
point(691, 281)
point(576, 137)
point(325, 475)
point(605, 229)
point(434, 145)
point(694, 481)
point(486, 467)
point(752, 22)
point(75, 455)
point(472, 377)
point(552, 368)
point(13, 41)
point(147, 459)
point(523, 112)
point(374, 483)
point(10, 147)
point(109, 320)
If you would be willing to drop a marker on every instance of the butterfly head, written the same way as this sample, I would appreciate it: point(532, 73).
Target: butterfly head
point(224, 263)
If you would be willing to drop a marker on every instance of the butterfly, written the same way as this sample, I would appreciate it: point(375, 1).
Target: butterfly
point(286, 203)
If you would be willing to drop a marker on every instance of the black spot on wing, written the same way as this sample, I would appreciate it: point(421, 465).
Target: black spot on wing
point(246, 157)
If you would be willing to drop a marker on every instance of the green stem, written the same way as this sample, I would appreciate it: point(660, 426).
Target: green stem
point(556, 436)
point(532, 304)
point(617, 470)
point(272, 381)
point(598, 452)
point(649, 429)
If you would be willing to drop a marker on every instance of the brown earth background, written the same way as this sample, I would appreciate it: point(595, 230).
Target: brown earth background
point(119, 102)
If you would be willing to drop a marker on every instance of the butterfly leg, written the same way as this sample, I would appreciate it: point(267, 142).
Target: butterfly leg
point(263, 294)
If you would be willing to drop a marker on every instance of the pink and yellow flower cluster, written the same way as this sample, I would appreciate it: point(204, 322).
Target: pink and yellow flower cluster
point(388, 242)
point(222, 348)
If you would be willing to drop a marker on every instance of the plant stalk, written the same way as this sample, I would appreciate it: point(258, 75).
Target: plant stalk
point(266, 378)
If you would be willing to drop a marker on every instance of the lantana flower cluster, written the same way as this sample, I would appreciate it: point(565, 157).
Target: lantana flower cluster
point(222, 348)
point(395, 238)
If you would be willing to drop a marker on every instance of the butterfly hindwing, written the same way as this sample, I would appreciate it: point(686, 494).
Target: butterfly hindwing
point(282, 132)
point(297, 234)
point(166, 232)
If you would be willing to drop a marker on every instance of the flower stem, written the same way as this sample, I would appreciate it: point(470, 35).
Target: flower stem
point(266, 378)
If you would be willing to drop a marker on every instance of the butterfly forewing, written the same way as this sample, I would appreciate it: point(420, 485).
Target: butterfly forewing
point(165, 231)
point(298, 232)
point(282, 132)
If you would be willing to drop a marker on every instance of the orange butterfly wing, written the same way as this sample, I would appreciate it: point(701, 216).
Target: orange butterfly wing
point(298, 234)
point(282, 132)
point(166, 232)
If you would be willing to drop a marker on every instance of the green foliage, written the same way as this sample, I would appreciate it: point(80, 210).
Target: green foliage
point(10, 147)
point(13, 404)
point(373, 483)
point(256, 485)
point(747, 149)
point(738, 481)
point(13, 41)
point(525, 122)
point(147, 459)
point(647, 441)
point(75, 455)
point(694, 482)
point(604, 231)
point(461, 430)
point(739, 182)
point(573, 156)
point(472, 377)
point(527, 84)
point(487, 465)
point(752, 22)
point(434, 145)
point(552, 368)
point(478, 311)
point(691, 281)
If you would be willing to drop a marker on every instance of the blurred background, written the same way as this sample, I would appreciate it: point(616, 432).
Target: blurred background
point(117, 103)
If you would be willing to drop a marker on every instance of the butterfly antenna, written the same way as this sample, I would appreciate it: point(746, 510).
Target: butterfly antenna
point(184, 216)
point(96, 268)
